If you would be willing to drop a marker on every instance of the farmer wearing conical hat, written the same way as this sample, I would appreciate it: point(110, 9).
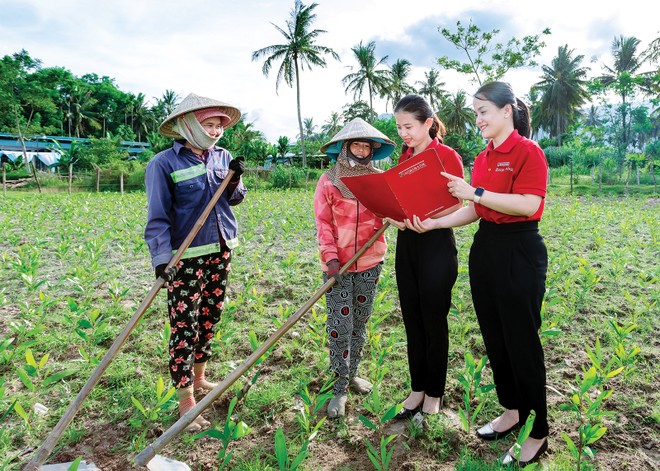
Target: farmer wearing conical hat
point(180, 182)
point(343, 226)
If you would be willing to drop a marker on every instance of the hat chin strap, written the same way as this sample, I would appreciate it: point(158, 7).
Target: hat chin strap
point(354, 160)
point(193, 132)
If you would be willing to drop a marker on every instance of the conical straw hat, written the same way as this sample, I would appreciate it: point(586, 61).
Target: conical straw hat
point(193, 103)
point(359, 129)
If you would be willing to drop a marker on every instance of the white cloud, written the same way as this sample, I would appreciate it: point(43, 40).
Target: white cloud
point(206, 46)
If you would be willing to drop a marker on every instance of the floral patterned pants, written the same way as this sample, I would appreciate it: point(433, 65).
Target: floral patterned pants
point(195, 300)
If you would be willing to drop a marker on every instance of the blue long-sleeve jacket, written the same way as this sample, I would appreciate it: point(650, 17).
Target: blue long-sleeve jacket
point(179, 186)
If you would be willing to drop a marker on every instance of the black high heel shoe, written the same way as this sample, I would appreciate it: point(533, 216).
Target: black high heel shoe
point(508, 459)
point(488, 433)
point(407, 413)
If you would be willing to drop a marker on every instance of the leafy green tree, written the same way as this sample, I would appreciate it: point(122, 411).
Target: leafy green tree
point(467, 144)
point(563, 89)
point(103, 153)
point(109, 103)
point(368, 75)
point(432, 89)
point(298, 52)
point(487, 61)
point(13, 73)
point(388, 127)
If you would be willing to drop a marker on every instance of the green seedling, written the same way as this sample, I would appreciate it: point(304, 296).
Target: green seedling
point(589, 414)
point(588, 280)
point(624, 356)
point(27, 264)
point(604, 369)
point(380, 457)
point(149, 413)
point(35, 377)
point(255, 344)
point(231, 431)
point(470, 379)
point(316, 328)
point(312, 404)
point(523, 434)
point(284, 462)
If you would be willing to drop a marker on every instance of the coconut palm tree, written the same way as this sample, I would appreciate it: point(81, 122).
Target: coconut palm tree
point(368, 75)
point(398, 87)
point(619, 77)
point(80, 105)
point(563, 89)
point(456, 114)
point(143, 118)
point(332, 124)
point(432, 88)
point(309, 128)
point(298, 52)
point(165, 105)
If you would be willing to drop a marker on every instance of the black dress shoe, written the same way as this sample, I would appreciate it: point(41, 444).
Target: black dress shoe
point(487, 433)
point(407, 413)
point(508, 459)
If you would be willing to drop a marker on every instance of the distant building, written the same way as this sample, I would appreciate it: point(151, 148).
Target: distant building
point(44, 154)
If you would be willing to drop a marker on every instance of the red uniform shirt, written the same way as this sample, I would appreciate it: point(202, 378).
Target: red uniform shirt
point(517, 166)
point(449, 157)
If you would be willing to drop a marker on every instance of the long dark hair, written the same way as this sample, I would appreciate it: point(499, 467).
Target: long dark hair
point(421, 110)
point(501, 94)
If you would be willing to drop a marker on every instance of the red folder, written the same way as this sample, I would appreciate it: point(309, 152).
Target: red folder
point(412, 187)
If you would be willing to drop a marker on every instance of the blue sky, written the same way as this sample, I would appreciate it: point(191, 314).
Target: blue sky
point(205, 47)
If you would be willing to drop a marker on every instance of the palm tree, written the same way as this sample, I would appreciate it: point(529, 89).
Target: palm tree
point(298, 51)
point(282, 147)
point(563, 86)
point(332, 125)
point(143, 118)
point(80, 106)
point(620, 78)
point(456, 114)
point(368, 75)
point(537, 117)
point(309, 128)
point(165, 105)
point(432, 88)
point(398, 87)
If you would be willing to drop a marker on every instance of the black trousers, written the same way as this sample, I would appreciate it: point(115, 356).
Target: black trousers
point(426, 269)
point(508, 265)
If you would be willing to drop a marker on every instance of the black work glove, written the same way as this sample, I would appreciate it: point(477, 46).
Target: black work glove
point(238, 166)
point(333, 270)
point(162, 273)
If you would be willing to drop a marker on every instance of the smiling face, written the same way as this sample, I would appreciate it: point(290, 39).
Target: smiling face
point(415, 133)
point(493, 122)
point(360, 149)
point(213, 126)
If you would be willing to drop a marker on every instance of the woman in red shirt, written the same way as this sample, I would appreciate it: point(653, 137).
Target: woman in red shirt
point(426, 268)
point(508, 261)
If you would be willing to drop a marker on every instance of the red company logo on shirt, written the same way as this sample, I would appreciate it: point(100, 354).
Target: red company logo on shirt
point(504, 167)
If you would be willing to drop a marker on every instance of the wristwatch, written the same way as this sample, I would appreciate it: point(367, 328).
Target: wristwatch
point(477, 194)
